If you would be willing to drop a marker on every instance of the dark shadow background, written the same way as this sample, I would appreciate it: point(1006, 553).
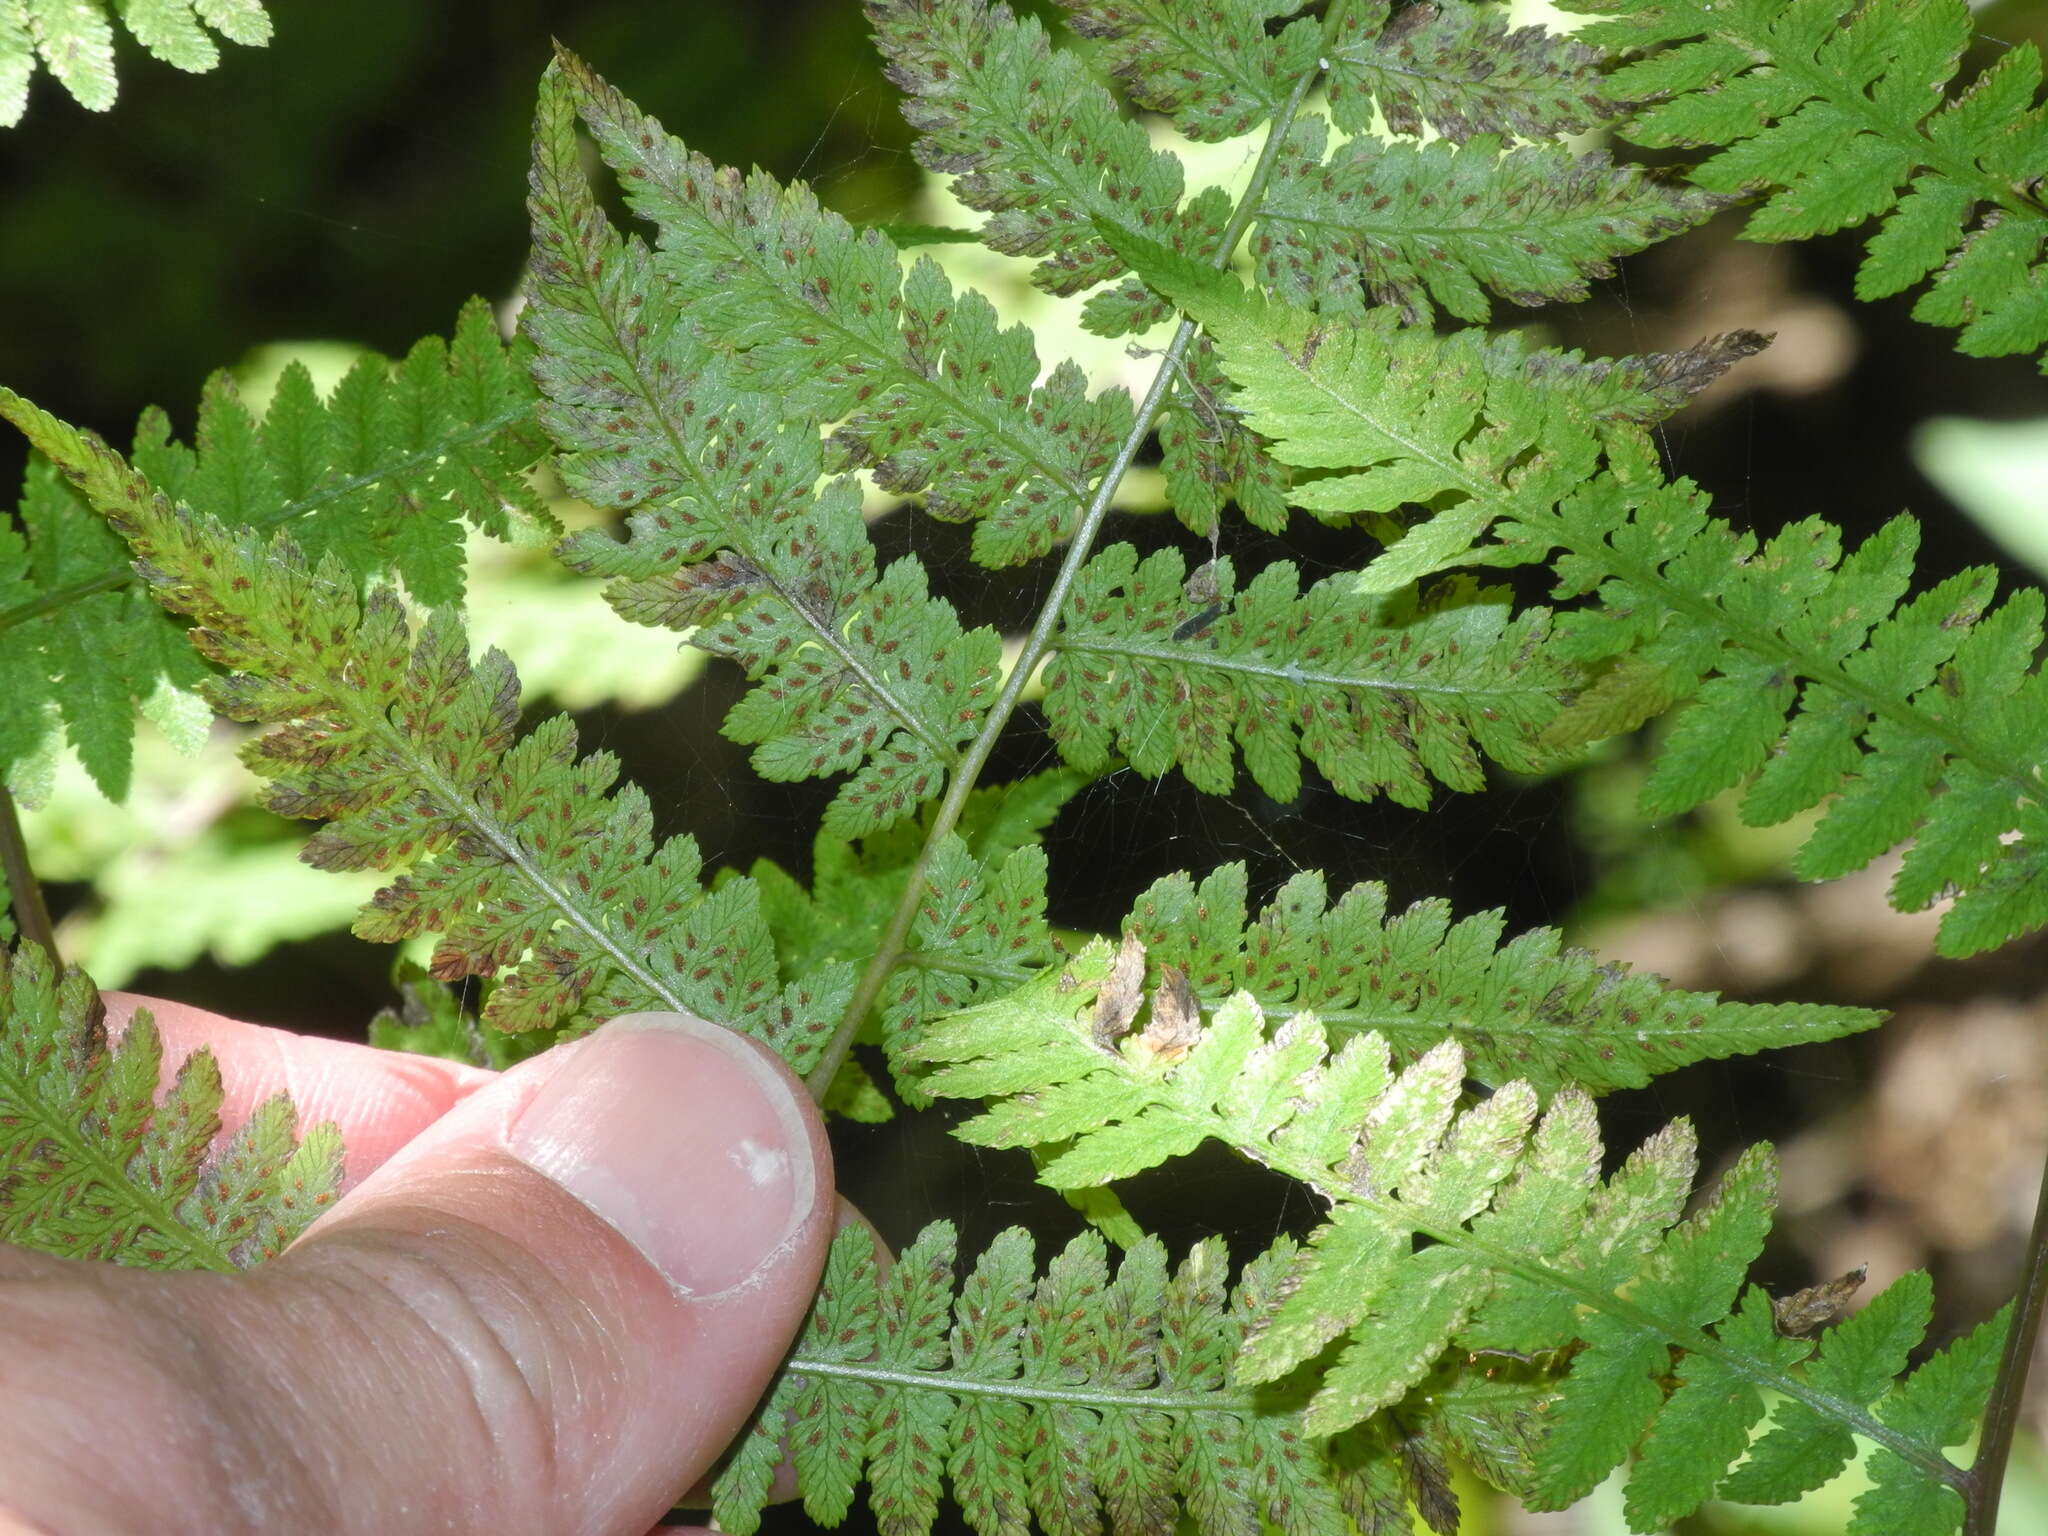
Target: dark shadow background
point(365, 174)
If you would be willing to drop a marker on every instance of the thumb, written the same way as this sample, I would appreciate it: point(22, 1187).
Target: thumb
point(549, 1312)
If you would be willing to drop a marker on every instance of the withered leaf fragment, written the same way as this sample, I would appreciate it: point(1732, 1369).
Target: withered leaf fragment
point(1810, 1310)
point(1117, 1003)
point(1176, 1017)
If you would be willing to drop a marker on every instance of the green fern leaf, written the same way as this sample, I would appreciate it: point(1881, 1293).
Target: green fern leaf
point(1841, 119)
point(979, 929)
point(518, 858)
point(927, 390)
point(74, 40)
point(1528, 1249)
point(381, 475)
point(1937, 1405)
point(1064, 159)
point(977, 925)
point(1393, 695)
point(1061, 1399)
point(1802, 1449)
point(1530, 1009)
point(1895, 699)
point(384, 472)
point(1474, 426)
point(1456, 68)
point(1885, 699)
point(728, 540)
point(1212, 69)
point(93, 1165)
point(855, 885)
point(1527, 1009)
point(1210, 459)
point(1437, 225)
point(83, 668)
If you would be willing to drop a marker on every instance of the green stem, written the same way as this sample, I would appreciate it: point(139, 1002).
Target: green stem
point(31, 916)
point(890, 949)
point(1024, 1390)
point(2008, 1388)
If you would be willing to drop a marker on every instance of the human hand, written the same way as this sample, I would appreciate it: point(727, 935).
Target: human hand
point(546, 1300)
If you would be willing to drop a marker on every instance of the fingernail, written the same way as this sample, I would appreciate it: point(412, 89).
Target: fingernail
point(684, 1138)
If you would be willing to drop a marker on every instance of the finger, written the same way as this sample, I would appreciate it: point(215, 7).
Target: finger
point(551, 1311)
point(379, 1099)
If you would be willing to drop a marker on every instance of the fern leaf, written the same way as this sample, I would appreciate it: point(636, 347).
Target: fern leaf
point(1391, 694)
point(1808, 677)
point(382, 476)
point(1034, 139)
point(976, 924)
point(1885, 700)
point(728, 540)
point(1060, 1398)
point(94, 1165)
point(1843, 119)
point(855, 885)
point(74, 40)
point(86, 667)
point(1937, 1405)
point(1476, 427)
point(1212, 69)
point(1209, 457)
point(1528, 1249)
point(384, 472)
point(1454, 67)
point(1439, 225)
point(1802, 1449)
point(928, 391)
point(980, 926)
point(1527, 1009)
point(518, 858)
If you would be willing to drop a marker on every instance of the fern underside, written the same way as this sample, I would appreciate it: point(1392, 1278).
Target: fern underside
point(94, 1165)
point(1482, 1284)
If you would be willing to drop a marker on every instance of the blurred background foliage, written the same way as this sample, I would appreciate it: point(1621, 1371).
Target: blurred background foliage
point(348, 187)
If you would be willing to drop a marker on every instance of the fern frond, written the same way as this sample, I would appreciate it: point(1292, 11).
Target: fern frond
point(1474, 426)
point(1211, 68)
point(1803, 670)
point(1465, 416)
point(728, 540)
point(1381, 695)
point(93, 1165)
point(1808, 674)
point(88, 666)
point(1421, 227)
point(382, 475)
point(1528, 1009)
point(1841, 118)
point(1210, 458)
point(1036, 141)
point(980, 926)
point(518, 857)
point(74, 40)
point(1454, 67)
point(1059, 1398)
point(928, 391)
point(1526, 1248)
